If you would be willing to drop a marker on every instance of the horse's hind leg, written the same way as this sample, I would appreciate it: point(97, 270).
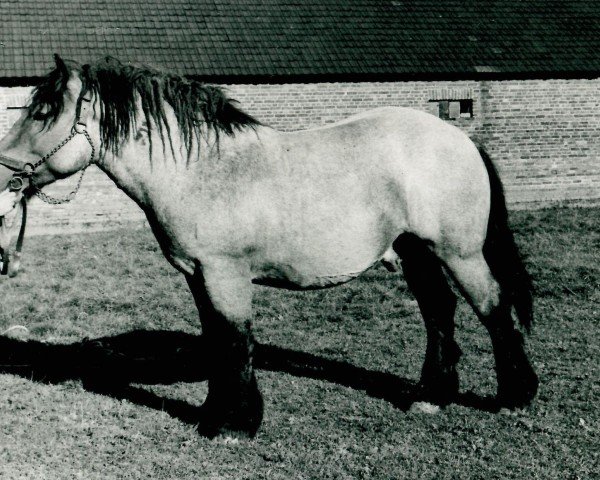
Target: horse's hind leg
point(425, 278)
point(222, 292)
point(517, 381)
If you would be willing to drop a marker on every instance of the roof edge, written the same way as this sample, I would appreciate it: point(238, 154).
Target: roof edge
point(358, 77)
point(395, 77)
point(19, 81)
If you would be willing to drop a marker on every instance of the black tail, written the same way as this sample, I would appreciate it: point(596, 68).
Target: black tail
point(501, 252)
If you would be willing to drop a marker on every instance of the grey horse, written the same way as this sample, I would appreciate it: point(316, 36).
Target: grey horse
point(233, 202)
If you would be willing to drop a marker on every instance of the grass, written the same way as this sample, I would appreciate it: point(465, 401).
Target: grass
point(105, 284)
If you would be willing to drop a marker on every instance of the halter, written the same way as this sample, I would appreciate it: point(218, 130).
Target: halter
point(23, 176)
point(22, 179)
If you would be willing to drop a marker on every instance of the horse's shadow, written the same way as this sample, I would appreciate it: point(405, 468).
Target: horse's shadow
point(108, 366)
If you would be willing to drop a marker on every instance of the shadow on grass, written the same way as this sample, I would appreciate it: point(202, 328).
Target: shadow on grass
point(108, 365)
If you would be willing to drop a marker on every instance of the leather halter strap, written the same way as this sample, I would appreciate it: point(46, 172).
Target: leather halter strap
point(11, 163)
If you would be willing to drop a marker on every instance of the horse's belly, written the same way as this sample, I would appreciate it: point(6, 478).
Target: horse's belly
point(320, 254)
point(286, 276)
point(322, 262)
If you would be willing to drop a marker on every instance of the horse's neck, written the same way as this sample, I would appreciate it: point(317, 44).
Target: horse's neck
point(210, 166)
point(128, 174)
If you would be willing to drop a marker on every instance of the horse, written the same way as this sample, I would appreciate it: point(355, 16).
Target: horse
point(234, 202)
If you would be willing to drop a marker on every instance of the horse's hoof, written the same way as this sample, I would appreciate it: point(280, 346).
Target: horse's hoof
point(440, 390)
point(227, 432)
point(228, 427)
point(520, 390)
point(424, 407)
point(239, 420)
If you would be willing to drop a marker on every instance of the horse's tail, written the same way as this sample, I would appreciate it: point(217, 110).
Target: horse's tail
point(501, 252)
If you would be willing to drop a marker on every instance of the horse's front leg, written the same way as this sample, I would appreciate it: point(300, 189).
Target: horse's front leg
point(223, 293)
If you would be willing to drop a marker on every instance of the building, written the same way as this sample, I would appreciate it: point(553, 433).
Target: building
point(520, 76)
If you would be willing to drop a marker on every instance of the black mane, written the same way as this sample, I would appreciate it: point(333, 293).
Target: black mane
point(119, 86)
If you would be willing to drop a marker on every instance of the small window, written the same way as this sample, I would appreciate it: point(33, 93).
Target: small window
point(453, 109)
point(466, 108)
point(444, 109)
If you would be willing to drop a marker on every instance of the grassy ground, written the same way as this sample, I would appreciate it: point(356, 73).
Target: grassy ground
point(320, 423)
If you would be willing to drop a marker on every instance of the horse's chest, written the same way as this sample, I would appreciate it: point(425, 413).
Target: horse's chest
point(175, 240)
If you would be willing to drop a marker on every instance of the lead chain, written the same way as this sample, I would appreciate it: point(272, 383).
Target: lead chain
point(54, 150)
point(59, 201)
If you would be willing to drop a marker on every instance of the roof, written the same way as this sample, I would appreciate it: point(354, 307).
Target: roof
point(307, 38)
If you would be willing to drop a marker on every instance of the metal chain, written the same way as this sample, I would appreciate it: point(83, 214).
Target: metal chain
point(55, 149)
point(59, 201)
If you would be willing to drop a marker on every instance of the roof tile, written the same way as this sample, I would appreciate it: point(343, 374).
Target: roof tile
point(318, 37)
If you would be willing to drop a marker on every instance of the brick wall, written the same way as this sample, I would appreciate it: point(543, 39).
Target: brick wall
point(542, 134)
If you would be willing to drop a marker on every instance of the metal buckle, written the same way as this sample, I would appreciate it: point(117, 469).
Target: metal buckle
point(28, 169)
point(79, 127)
point(16, 183)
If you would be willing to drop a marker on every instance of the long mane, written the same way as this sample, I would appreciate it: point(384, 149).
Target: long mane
point(119, 87)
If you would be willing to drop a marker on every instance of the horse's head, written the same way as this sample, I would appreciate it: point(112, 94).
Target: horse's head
point(49, 140)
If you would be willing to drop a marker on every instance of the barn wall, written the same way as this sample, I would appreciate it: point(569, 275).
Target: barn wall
point(543, 135)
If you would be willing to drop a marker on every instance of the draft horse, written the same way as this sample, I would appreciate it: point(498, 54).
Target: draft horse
point(234, 202)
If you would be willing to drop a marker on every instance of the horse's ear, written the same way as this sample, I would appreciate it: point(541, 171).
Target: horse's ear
point(61, 66)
